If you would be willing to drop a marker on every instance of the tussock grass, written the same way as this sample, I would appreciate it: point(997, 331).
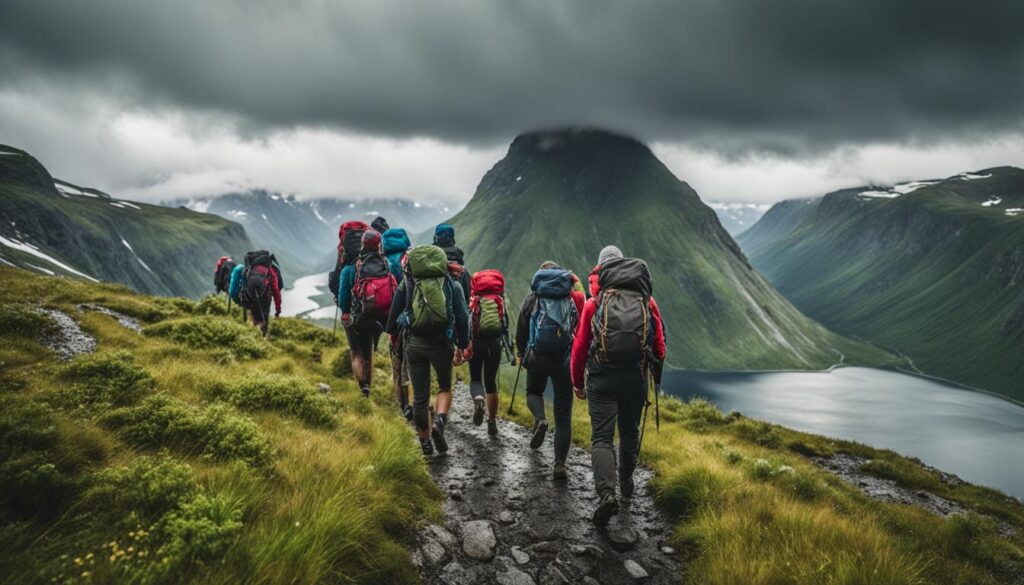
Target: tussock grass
point(165, 475)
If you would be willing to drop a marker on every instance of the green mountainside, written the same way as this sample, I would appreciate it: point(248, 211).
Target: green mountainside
point(934, 269)
point(562, 195)
point(51, 226)
point(776, 223)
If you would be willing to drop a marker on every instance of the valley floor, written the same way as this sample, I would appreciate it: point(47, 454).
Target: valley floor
point(196, 451)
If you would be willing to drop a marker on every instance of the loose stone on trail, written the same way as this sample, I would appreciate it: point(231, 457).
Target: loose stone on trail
point(506, 521)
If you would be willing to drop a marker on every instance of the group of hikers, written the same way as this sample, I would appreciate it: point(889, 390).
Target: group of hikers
point(601, 342)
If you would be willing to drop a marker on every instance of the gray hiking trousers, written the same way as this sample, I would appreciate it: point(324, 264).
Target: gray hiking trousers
point(615, 397)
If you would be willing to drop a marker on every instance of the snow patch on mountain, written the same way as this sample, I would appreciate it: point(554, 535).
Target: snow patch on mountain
point(972, 176)
point(34, 251)
point(130, 249)
point(992, 201)
point(40, 269)
point(1015, 211)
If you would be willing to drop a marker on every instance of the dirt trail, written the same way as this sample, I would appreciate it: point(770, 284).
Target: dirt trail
point(508, 522)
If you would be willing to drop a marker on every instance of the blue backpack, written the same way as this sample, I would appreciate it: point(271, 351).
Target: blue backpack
point(554, 318)
point(395, 243)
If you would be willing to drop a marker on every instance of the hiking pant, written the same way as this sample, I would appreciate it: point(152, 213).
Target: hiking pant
point(260, 311)
point(536, 381)
point(424, 353)
point(615, 396)
point(362, 342)
point(483, 368)
point(399, 365)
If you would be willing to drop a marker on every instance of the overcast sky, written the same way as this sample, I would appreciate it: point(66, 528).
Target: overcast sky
point(747, 100)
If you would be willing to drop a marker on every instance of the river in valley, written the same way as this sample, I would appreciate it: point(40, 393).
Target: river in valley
point(977, 436)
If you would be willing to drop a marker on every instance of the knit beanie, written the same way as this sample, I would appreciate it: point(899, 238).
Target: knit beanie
point(371, 241)
point(608, 253)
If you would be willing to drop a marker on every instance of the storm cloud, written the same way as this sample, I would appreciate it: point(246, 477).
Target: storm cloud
point(748, 99)
point(785, 75)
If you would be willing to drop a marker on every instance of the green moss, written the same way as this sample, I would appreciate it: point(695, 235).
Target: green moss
point(22, 321)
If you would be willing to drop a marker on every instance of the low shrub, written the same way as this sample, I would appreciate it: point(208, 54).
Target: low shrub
point(149, 487)
point(136, 307)
point(39, 464)
point(21, 321)
point(216, 432)
point(759, 432)
point(288, 394)
point(684, 492)
point(202, 529)
point(211, 333)
point(304, 331)
point(701, 410)
point(103, 380)
point(212, 305)
point(341, 366)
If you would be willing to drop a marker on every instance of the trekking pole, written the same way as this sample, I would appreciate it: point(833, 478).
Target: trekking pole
point(657, 409)
point(643, 426)
point(515, 387)
point(335, 329)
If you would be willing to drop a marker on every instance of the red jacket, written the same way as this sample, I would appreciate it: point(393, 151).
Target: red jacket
point(585, 333)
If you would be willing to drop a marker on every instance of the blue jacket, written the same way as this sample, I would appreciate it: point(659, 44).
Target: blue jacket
point(236, 282)
point(346, 279)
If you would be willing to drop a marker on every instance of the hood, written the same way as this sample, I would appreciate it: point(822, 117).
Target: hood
point(594, 280)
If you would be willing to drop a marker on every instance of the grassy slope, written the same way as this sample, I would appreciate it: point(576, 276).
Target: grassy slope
point(180, 246)
point(602, 189)
point(293, 486)
point(931, 273)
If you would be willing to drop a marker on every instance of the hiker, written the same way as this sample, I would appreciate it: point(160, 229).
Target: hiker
point(258, 283)
point(380, 225)
point(222, 274)
point(544, 334)
point(619, 342)
point(430, 311)
point(396, 243)
point(444, 238)
point(350, 242)
point(365, 291)
point(489, 328)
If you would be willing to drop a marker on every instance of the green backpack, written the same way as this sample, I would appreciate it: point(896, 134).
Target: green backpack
point(428, 306)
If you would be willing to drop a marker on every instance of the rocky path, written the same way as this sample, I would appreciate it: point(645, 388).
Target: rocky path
point(508, 522)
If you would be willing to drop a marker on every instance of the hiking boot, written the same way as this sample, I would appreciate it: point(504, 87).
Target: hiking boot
point(478, 411)
point(437, 433)
point(407, 411)
point(540, 429)
point(492, 427)
point(365, 389)
point(626, 487)
point(427, 447)
point(607, 507)
point(559, 472)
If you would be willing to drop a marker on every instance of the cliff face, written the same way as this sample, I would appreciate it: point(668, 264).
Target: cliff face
point(51, 226)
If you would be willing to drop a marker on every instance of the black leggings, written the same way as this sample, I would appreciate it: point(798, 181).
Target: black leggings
point(424, 353)
point(483, 368)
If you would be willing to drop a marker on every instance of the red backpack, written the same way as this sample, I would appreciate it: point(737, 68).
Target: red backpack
point(487, 304)
point(373, 290)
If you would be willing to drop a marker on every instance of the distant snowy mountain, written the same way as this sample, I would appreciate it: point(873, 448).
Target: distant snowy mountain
point(738, 217)
point(304, 233)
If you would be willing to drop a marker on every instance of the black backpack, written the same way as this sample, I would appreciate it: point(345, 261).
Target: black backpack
point(222, 278)
point(256, 288)
point(622, 323)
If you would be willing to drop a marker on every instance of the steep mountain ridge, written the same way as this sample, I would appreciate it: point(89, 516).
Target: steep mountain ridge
point(304, 233)
point(52, 226)
point(934, 271)
point(563, 194)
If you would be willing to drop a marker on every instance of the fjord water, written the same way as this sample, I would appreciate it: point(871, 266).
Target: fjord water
point(974, 435)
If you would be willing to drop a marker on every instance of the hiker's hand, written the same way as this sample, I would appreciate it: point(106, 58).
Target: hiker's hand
point(581, 393)
point(457, 359)
point(467, 354)
point(277, 313)
point(346, 319)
